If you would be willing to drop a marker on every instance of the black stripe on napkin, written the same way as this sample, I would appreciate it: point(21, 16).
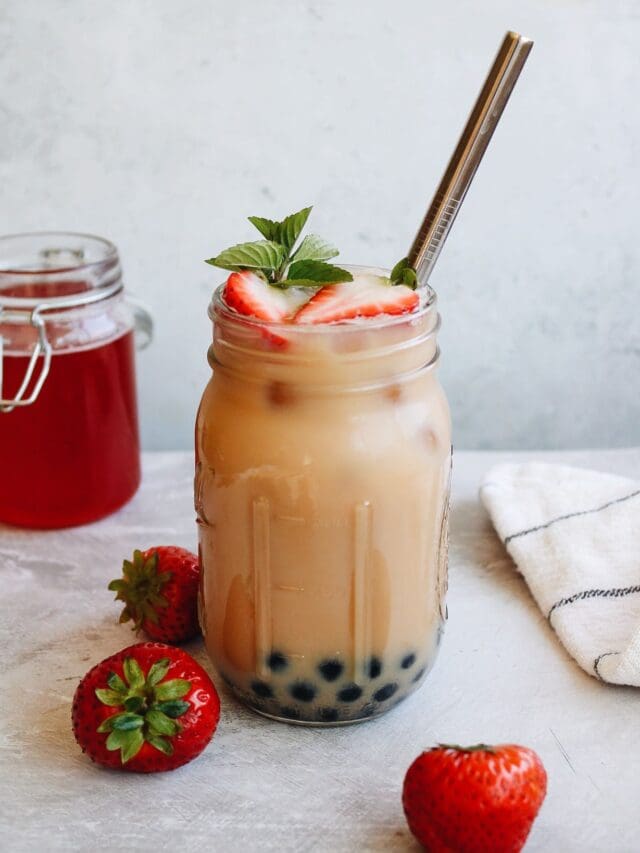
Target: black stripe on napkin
point(617, 592)
point(571, 515)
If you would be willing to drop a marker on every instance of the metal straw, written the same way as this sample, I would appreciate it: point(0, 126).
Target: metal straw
point(466, 158)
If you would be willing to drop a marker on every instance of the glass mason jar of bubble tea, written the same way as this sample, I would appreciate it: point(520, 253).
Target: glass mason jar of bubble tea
point(321, 490)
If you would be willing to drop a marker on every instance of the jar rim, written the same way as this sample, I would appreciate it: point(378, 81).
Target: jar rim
point(102, 273)
point(218, 307)
point(111, 252)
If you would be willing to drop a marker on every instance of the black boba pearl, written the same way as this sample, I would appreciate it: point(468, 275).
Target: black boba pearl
point(418, 675)
point(290, 713)
point(277, 662)
point(261, 688)
point(385, 692)
point(330, 669)
point(408, 661)
point(303, 691)
point(368, 710)
point(350, 693)
point(328, 715)
point(375, 667)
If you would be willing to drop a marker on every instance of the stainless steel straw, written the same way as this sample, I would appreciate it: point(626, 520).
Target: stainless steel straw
point(466, 158)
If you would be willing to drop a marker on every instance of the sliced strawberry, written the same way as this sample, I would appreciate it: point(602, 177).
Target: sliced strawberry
point(250, 295)
point(366, 296)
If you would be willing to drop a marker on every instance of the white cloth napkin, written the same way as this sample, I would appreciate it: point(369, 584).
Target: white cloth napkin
point(575, 536)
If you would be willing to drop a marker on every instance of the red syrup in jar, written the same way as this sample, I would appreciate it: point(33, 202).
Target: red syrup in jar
point(72, 456)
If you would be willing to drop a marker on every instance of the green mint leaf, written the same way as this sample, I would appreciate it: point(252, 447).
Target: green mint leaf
point(286, 232)
point(133, 673)
point(160, 743)
point(314, 248)
point(410, 278)
point(173, 708)
point(267, 227)
point(162, 724)
point(174, 689)
point(110, 697)
point(291, 227)
point(313, 273)
point(158, 671)
point(125, 616)
point(403, 273)
point(261, 255)
point(116, 683)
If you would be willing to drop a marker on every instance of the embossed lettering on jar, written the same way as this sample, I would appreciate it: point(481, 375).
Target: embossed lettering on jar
point(322, 486)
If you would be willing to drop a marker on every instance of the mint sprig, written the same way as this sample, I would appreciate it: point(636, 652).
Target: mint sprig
point(276, 258)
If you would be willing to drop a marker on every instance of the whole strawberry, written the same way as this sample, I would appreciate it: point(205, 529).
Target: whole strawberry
point(481, 799)
point(159, 588)
point(148, 708)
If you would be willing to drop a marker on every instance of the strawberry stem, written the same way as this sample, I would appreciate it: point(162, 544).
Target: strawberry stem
point(151, 707)
point(478, 747)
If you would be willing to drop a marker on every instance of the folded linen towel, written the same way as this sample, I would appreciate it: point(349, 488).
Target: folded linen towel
point(575, 536)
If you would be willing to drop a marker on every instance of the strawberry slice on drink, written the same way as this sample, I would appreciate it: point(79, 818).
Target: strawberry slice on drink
point(367, 296)
point(250, 295)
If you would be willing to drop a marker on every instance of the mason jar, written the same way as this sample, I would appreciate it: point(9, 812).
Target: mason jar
point(323, 457)
point(69, 446)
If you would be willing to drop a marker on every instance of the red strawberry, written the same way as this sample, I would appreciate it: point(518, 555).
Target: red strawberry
point(147, 708)
point(159, 588)
point(477, 800)
point(367, 296)
point(250, 295)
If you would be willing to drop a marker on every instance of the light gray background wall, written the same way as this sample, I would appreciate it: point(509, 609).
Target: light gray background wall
point(162, 125)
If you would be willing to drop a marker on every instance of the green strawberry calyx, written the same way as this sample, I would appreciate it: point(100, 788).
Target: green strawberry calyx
point(140, 587)
point(478, 747)
point(151, 708)
point(279, 259)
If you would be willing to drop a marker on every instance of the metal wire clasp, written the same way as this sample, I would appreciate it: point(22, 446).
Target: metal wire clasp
point(42, 347)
